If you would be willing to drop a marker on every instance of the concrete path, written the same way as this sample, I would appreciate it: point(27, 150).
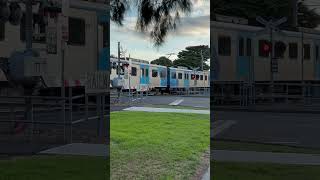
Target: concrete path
point(265, 157)
point(168, 110)
point(206, 175)
point(79, 149)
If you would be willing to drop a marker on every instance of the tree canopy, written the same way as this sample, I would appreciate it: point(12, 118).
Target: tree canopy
point(156, 17)
point(191, 57)
point(163, 61)
point(274, 9)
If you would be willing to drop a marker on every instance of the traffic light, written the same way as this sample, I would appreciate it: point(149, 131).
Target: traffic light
point(265, 48)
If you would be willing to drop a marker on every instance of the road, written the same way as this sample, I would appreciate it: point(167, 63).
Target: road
point(297, 129)
point(200, 102)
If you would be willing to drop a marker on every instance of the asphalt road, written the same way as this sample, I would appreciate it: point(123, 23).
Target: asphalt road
point(296, 129)
point(202, 102)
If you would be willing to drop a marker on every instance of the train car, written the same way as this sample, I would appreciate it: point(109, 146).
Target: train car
point(87, 47)
point(244, 53)
point(158, 78)
point(142, 76)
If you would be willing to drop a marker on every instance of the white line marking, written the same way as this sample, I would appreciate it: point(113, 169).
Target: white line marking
point(168, 110)
point(176, 102)
point(84, 119)
point(220, 126)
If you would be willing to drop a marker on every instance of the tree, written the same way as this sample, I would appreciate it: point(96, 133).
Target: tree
point(191, 57)
point(275, 9)
point(157, 17)
point(163, 61)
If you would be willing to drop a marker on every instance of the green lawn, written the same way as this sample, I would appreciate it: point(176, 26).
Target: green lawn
point(262, 171)
point(248, 146)
point(157, 145)
point(54, 168)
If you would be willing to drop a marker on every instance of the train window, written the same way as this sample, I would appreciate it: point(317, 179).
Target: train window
point(197, 77)
point(264, 50)
point(2, 31)
point(224, 45)
point(179, 75)
point(106, 35)
point(307, 53)
point(192, 77)
point(142, 72)
point(249, 47)
point(205, 77)
point(186, 76)
point(77, 31)
point(154, 73)
point(133, 71)
point(201, 77)
point(163, 74)
point(40, 29)
point(241, 47)
point(293, 50)
point(147, 72)
point(173, 75)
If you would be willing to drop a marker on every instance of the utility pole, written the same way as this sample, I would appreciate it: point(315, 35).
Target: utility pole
point(294, 4)
point(118, 67)
point(201, 61)
point(29, 29)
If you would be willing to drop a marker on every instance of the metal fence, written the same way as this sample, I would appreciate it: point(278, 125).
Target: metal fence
point(47, 121)
point(289, 94)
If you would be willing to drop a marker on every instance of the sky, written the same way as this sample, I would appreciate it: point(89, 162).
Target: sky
point(193, 30)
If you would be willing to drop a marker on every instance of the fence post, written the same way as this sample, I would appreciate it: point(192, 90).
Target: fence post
point(98, 111)
point(29, 115)
point(70, 112)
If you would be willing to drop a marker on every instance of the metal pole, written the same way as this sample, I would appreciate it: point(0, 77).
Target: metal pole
point(29, 26)
point(118, 69)
point(271, 60)
point(201, 61)
point(294, 4)
point(63, 93)
point(70, 112)
point(302, 62)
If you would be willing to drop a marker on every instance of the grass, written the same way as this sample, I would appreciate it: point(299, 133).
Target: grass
point(262, 171)
point(248, 146)
point(53, 168)
point(157, 145)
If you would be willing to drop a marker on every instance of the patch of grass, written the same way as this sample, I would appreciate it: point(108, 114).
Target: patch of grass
point(54, 167)
point(157, 145)
point(262, 171)
point(248, 146)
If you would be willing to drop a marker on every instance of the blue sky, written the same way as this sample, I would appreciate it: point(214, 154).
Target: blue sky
point(194, 29)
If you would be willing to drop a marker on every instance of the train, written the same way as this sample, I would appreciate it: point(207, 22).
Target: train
point(244, 51)
point(87, 47)
point(141, 76)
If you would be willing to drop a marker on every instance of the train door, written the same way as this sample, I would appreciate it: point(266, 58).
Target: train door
point(144, 76)
point(173, 78)
point(244, 43)
point(163, 76)
point(186, 79)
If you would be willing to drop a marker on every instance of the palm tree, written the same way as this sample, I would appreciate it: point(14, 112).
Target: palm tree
point(157, 17)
